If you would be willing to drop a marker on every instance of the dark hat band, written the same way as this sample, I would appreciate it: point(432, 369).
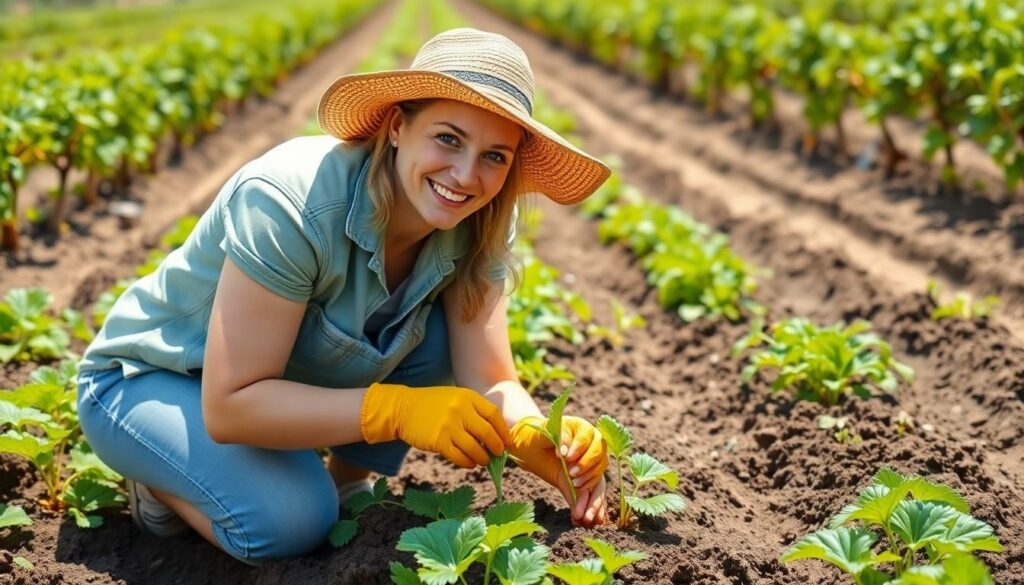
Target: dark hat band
point(495, 82)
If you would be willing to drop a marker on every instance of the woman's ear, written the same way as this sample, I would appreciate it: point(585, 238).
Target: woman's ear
point(394, 129)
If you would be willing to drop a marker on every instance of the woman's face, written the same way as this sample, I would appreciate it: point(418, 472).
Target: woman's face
point(452, 159)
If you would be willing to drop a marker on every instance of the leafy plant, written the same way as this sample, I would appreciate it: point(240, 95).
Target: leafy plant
point(552, 431)
point(344, 530)
point(963, 305)
point(454, 505)
point(445, 549)
point(843, 433)
point(645, 469)
point(46, 407)
point(27, 331)
point(823, 363)
point(599, 571)
point(933, 527)
point(496, 469)
point(621, 323)
point(13, 516)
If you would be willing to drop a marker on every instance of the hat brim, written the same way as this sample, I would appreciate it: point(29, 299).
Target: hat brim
point(355, 105)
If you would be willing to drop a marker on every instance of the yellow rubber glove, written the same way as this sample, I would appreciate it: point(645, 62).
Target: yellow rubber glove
point(585, 452)
point(451, 421)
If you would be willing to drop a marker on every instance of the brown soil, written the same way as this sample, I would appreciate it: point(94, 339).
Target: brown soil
point(757, 471)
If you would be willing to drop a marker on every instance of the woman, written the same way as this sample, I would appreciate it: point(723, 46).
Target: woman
point(343, 291)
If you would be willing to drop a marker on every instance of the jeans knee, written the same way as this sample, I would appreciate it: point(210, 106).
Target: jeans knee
point(293, 526)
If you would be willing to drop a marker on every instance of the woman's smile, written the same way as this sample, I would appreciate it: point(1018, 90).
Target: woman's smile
point(447, 196)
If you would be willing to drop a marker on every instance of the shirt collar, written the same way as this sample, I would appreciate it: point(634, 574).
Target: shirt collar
point(445, 245)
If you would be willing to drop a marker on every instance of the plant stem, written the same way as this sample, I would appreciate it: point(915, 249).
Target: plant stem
point(487, 569)
point(623, 510)
point(572, 488)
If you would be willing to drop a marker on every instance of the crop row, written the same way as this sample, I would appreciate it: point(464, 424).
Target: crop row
point(107, 113)
point(960, 62)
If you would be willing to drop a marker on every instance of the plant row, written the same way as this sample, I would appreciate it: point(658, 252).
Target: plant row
point(959, 62)
point(106, 114)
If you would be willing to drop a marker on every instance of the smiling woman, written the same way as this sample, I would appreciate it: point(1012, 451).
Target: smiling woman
point(342, 291)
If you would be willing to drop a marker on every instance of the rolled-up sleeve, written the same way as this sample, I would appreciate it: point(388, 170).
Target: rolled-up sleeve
point(269, 237)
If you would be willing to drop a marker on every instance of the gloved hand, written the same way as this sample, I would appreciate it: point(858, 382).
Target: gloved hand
point(581, 444)
point(448, 420)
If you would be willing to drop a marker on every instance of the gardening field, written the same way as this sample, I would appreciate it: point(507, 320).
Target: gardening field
point(795, 311)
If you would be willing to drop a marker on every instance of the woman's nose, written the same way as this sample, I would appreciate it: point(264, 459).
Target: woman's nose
point(462, 173)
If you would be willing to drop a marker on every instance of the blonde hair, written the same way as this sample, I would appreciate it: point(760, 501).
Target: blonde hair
point(489, 227)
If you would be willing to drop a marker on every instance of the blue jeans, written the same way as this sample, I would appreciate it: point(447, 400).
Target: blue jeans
point(263, 504)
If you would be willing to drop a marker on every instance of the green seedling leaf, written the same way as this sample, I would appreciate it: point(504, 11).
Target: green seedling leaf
point(496, 469)
point(453, 505)
point(24, 563)
point(83, 520)
point(577, 574)
point(18, 416)
point(509, 512)
point(499, 535)
point(89, 495)
point(342, 532)
point(445, 548)
point(402, 575)
point(657, 505)
point(616, 436)
point(523, 564)
point(646, 469)
point(922, 489)
point(611, 560)
point(918, 523)
point(13, 516)
point(554, 424)
point(846, 548)
point(967, 534)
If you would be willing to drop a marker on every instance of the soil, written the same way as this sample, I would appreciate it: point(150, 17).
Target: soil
point(755, 468)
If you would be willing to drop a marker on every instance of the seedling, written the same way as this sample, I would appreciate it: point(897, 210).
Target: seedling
point(45, 407)
point(343, 531)
point(553, 432)
point(27, 331)
point(599, 571)
point(623, 322)
point(496, 469)
point(454, 505)
point(645, 469)
point(445, 549)
point(843, 433)
point(933, 526)
point(963, 306)
point(13, 516)
point(823, 364)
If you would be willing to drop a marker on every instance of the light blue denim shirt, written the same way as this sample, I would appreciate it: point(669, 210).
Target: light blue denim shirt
point(297, 220)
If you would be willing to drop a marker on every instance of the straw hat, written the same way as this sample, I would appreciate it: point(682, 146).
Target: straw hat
point(479, 68)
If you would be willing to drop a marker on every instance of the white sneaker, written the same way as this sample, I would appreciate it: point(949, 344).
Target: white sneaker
point(152, 515)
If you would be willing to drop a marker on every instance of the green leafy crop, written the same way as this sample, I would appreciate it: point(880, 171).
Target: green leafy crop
point(823, 363)
point(553, 432)
point(929, 538)
point(42, 426)
point(496, 469)
point(344, 530)
point(963, 305)
point(27, 331)
point(645, 469)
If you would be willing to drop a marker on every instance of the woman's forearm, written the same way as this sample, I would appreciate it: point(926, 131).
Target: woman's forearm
point(513, 400)
point(281, 414)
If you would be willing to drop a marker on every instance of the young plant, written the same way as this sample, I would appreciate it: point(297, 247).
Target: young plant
point(843, 433)
point(13, 516)
point(496, 469)
point(42, 426)
point(27, 331)
point(599, 571)
point(933, 527)
point(623, 322)
point(823, 364)
point(644, 469)
point(553, 432)
point(345, 530)
point(501, 541)
point(963, 306)
point(454, 505)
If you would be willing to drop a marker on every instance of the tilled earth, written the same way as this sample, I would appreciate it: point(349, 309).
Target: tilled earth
point(755, 468)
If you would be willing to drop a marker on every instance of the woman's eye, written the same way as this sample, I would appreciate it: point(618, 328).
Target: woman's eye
point(447, 139)
point(498, 157)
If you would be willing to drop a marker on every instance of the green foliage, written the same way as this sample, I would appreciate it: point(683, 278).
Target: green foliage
point(621, 323)
point(454, 505)
point(823, 364)
point(552, 431)
point(599, 571)
point(496, 469)
point(13, 516)
point(693, 269)
point(963, 305)
point(843, 432)
point(41, 425)
point(933, 526)
point(345, 529)
point(27, 330)
point(644, 469)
